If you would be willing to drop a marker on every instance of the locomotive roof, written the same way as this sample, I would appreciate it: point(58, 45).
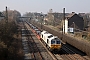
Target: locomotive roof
point(54, 37)
point(47, 34)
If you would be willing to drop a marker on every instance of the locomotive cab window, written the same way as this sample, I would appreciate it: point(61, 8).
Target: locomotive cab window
point(42, 36)
point(47, 41)
point(50, 36)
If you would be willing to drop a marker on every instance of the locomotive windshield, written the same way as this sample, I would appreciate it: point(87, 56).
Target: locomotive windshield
point(55, 41)
point(58, 42)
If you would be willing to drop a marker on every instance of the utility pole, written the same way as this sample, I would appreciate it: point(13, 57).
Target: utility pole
point(6, 21)
point(73, 26)
point(64, 18)
point(6, 15)
point(63, 23)
point(42, 17)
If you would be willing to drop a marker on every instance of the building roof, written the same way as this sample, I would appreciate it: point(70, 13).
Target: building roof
point(58, 16)
point(70, 15)
point(81, 14)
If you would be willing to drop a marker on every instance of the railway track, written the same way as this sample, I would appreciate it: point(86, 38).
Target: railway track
point(72, 57)
point(58, 56)
point(71, 54)
point(36, 48)
point(29, 47)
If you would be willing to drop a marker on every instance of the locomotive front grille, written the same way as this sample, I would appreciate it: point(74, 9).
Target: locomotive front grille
point(55, 46)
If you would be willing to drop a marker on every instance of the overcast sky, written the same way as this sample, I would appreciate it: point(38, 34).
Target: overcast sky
point(44, 5)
